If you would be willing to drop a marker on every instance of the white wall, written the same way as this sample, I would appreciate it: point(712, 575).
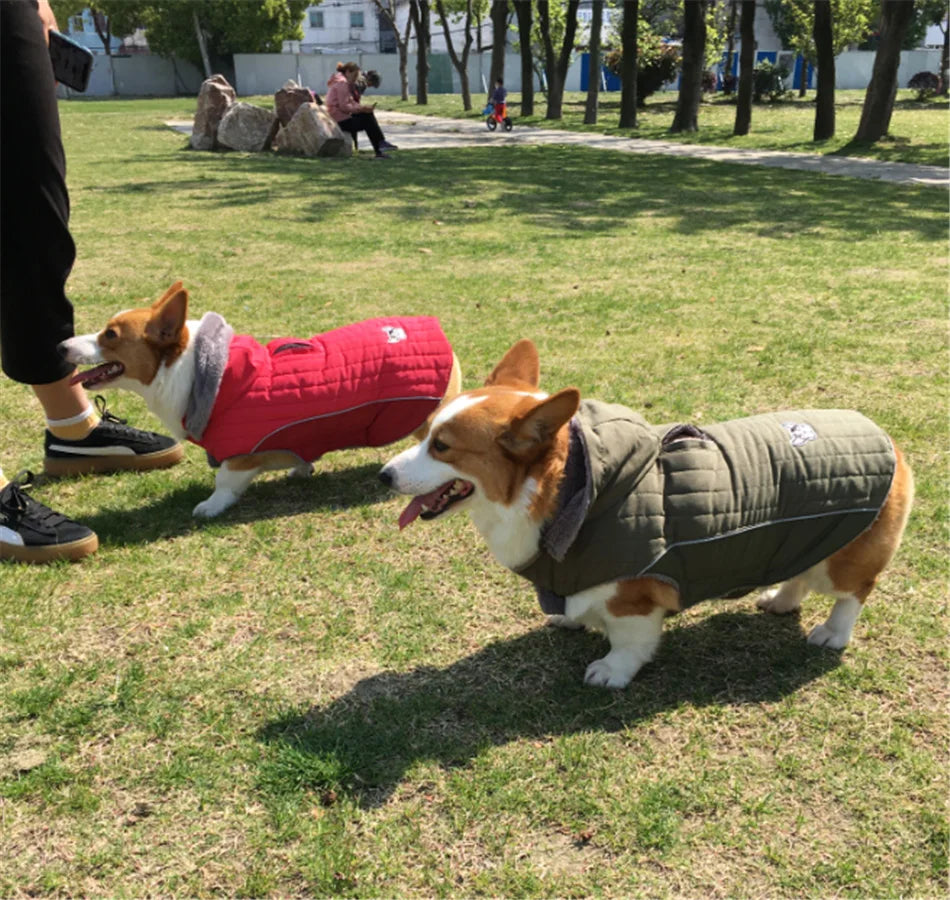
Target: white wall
point(264, 73)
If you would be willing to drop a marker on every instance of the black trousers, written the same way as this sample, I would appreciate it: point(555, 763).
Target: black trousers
point(36, 249)
point(364, 122)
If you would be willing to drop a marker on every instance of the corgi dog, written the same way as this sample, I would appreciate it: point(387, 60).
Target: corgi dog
point(255, 408)
point(619, 523)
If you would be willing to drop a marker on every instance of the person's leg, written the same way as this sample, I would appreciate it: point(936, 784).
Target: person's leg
point(367, 122)
point(38, 254)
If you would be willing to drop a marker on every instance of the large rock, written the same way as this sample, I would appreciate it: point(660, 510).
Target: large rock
point(289, 99)
point(310, 132)
point(214, 99)
point(248, 128)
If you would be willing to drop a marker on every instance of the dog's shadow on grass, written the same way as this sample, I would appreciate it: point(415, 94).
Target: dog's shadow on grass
point(276, 497)
point(530, 688)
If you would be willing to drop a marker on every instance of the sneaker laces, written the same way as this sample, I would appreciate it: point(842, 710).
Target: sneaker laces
point(15, 502)
point(118, 424)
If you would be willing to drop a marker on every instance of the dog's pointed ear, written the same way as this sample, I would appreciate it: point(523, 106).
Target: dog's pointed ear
point(535, 429)
point(519, 367)
point(169, 313)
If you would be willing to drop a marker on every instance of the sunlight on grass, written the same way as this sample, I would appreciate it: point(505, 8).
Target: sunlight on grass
point(298, 699)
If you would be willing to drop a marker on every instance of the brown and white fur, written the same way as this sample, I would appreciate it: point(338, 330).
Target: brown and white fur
point(150, 350)
point(499, 451)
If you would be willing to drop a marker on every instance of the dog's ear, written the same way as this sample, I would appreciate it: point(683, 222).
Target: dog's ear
point(519, 367)
point(535, 429)
point(169, 313)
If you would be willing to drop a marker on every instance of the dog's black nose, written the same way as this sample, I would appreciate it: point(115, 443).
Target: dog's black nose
point(386, 477)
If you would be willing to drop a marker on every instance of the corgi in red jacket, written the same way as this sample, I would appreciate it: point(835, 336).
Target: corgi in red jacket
point(256, 407)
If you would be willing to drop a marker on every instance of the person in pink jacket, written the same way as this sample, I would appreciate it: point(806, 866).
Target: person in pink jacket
point(342, 103)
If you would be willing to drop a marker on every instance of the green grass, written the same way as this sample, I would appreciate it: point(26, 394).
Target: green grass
point(918, 132)
point(296, 699)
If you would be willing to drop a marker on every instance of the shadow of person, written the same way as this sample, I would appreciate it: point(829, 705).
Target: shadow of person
point(279, 496)
point(528, 687)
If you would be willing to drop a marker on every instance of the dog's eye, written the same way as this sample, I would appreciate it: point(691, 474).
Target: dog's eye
point(110, 334)
point(439, 446)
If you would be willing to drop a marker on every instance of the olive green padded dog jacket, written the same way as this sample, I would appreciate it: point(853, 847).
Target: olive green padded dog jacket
point(716, 511)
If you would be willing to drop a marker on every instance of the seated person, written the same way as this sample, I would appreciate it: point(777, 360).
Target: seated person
point(343, 105)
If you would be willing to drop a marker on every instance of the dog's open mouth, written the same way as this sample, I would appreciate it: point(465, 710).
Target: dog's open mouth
point(436, 502)
point(98, 376)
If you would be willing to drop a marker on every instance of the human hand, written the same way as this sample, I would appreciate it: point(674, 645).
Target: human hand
point(47, 17)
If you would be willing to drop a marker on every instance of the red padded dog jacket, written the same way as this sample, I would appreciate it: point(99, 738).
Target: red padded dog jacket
point(363, 385)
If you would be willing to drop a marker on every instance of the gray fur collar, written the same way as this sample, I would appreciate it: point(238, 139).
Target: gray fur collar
point(211, 358)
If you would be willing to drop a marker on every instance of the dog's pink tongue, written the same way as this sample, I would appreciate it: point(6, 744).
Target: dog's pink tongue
point(416, 505)
point(410, 513)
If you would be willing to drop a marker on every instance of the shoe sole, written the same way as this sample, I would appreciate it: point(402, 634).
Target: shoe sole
point(86, 465)
point(47, 553)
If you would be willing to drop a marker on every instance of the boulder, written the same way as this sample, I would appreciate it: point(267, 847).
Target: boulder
point(248, 128)
point(214, 99)
point(310, 132)
point(289, 98)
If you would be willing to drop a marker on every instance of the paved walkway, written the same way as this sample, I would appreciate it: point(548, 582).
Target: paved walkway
point(416, 132)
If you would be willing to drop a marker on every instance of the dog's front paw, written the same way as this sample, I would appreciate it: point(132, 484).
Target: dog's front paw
point(823, 636)
point(216, 504)
point(304, 470)
point(564, 622)
point(611, 672)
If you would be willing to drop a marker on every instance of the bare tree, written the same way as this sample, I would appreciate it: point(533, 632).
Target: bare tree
point(593, 70)
point(499, 38)
point(746, 65)
point(629, 64)
point(896, 15)
point(460, 62)
point(825, 54)
point(419, 13)
point(388, 9)
point(523, 12)
point(728, 82)
point(691, 76)
point(555, 65)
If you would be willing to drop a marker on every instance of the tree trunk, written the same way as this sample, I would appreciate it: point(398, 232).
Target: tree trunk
point(523, 11)
point(499, 39)
point(544, 26)
point(419, 13)
point(202, 45)
point(727, 82)
point(691, 76)
point(555, 67)
point(896, 15)
point(746, 65)
point(460, 63)
point(825, 53)
point(945, 63)
point(629, 63)
point(593, 70)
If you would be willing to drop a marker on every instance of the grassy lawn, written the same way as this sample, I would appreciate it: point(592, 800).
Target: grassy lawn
point(918, 131)
point(297, 700)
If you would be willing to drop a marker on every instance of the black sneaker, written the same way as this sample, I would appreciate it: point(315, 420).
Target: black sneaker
point(112, 446)
point(385, 145)
point(31, 532)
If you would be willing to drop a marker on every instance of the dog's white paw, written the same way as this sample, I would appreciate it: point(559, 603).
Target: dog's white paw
point(216, 504)
point(823, 636)
point(780, 600)
point(611, 672)
point(564, 622)
point(304, 470)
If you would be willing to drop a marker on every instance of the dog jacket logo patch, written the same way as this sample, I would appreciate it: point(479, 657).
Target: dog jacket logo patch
point(394, 334)
point(799, 433)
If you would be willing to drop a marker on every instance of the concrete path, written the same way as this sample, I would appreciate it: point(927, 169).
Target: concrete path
point(416, 132)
